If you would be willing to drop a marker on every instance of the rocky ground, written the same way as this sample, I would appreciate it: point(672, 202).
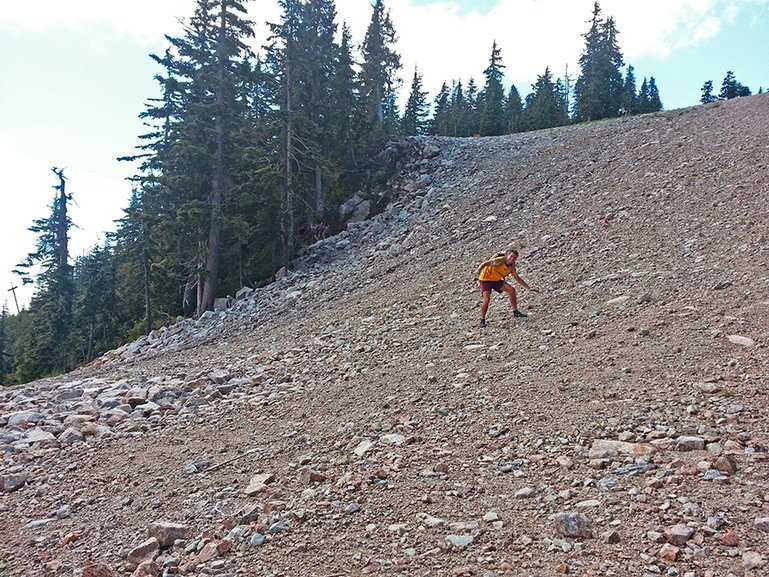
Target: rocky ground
point(353, 419)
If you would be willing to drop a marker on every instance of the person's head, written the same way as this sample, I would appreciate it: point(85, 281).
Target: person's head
point(511, 254)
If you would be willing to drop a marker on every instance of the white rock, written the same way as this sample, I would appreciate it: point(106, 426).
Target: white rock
point(742, 341)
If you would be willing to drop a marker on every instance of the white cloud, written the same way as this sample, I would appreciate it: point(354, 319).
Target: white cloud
point(442, 40)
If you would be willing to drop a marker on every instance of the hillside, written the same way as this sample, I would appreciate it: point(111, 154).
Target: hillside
point(353, 419)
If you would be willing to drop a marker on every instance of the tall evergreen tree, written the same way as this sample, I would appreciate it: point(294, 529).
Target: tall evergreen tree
point(215, 43)
point(599, 88)
point(378, 78)
point(492, 114)
point(458, 111)
point(544, 106)
point(655, 102)
point(415, 114)
point(629, 93)
point(345, 121)
point(95, 323)
point(439, 124)
point(188, 174)
point(134, 252)
point(46, 347)
point(472, 98)
point(514, 111)
point(644, 102)
point(5, 355)
point(649, 97)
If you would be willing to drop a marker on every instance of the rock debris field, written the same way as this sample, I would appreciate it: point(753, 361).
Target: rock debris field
point(352, 419)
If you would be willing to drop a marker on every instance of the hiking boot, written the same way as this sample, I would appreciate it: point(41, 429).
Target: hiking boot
point(519, 314)
point(482, 324)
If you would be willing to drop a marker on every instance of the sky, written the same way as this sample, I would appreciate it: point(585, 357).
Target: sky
point(77, 74)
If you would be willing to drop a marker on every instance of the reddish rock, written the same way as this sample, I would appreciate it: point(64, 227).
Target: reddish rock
point(668, 552)
point(97, 570)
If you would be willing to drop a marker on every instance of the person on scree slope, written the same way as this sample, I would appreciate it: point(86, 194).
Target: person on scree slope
point(491, 276)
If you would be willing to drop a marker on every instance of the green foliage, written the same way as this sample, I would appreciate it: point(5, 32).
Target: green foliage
point(599, 88)
point(5, 356)
point(545, 106)
point(492, 115)
point(415, 114)
point(439, 124)
point(514, 110)
point(378, 79)
point(730, 88)
point(48, 351)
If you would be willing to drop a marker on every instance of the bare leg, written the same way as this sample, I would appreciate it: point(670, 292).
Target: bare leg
point(510, 290)
point(485, 303)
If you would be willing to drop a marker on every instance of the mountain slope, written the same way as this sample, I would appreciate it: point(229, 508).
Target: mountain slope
point(352, 418)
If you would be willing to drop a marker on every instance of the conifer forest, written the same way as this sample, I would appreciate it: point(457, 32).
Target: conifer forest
point(247, 157)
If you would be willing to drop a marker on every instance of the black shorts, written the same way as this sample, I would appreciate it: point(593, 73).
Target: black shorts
point(492, 285)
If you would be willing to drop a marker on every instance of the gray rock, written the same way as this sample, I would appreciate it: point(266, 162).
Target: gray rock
point(575, 525)
point(14, 419)
point(753, 560)
point(762, 524)
point(459, 541)
point(64, 512)
point(11, 483)
point(525, 493)
point(37, 524)
point(690, 444)
point(679, 534)
point(71, 436)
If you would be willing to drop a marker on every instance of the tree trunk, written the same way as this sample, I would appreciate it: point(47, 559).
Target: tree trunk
point(146, 281)
point(318, 191)
point(288, 193)
point(211, 279)
point(190, 297)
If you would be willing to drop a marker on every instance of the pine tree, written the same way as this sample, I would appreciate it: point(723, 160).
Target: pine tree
point(599, 88)
point(134, 251)
point(629, 93)
point(655, 102)
point(378, 78)
point(649, 97)
point(544, 106)
point(47, 348)
point(473, 107)
point(492, 114)
point(730, 88)
point(95, 325)
point(707, 93)
point(514, 110)
point(5, 356)
point(209, 63)
point(345, 121)
point(439, 124)
point(458, 110)
point(415, 114)
point(644, 102)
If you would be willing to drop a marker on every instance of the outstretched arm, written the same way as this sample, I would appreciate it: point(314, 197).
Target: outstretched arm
point(522, 282)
